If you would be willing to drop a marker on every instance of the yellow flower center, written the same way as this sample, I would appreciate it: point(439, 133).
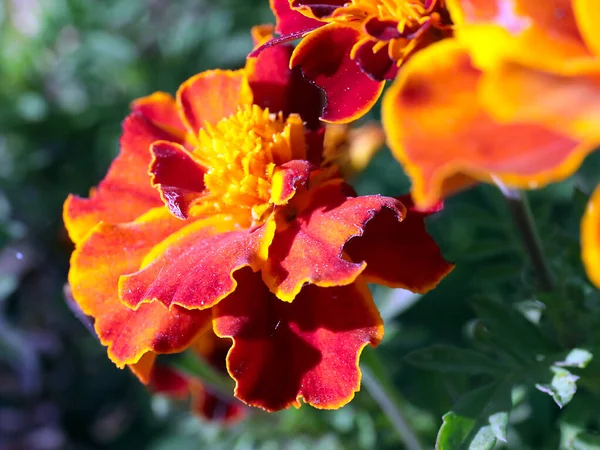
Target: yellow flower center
point(409, 14)
point(241, 153)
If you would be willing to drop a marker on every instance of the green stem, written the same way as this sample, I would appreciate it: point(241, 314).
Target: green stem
point(523, 219)
point(376, 381)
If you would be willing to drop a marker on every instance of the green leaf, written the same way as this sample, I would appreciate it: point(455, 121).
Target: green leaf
point(563, 385)
point(562, 388)
point(511, 330)
point(450, 359)
point(478, 420)
point(585, 441)
point(577, 357)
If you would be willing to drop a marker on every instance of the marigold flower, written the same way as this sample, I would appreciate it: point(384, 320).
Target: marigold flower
point(354, 46)
point(218, 214)
point(486, 104)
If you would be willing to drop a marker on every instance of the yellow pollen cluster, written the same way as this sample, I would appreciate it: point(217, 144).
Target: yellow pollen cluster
point(408, 13)
point(241, 153)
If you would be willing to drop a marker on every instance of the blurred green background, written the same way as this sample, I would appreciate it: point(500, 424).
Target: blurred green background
point(68, 70)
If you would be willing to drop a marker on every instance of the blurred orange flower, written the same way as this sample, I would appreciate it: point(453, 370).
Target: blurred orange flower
point(511, 99)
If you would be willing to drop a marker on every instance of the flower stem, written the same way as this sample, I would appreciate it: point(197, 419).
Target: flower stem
point(523, 219)
point(375, 379)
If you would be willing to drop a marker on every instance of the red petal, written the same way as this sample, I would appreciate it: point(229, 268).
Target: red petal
point(400, 254)
point(194, 268)
point(167, 381)
point(96, 265)
point(324, 56)
point(319, 8)
point(377, 65)
point(126, 192)
point(214, 407)
point(290, 21)
point(382, 30)
point(308, 349)
point(177, 176)
point(277, 87)
point(211, 96)
point(311, 234)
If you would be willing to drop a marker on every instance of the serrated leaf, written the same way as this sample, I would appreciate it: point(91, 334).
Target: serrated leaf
point(512, 329)
point(478, 420)
point(450, 359)
point(562, 388)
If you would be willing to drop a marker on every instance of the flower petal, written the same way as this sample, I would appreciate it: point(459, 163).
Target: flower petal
point(211, 96)
point(291, 21)
point(167, 381)
point(287, 179)
point(194, 267)
point(318, 8)
point(161, 109)
point(590, 238)
point(143, 368)
point(177, 176)
point(311, 234)
point(437, 128)
point(378, 65)
point(324, 56)
point(126, 192)
point(96, 265)
point(400, 254)
point(568, 104)
point(280, 89)
point(587, 15)
point(543, 35)
point(308, 349)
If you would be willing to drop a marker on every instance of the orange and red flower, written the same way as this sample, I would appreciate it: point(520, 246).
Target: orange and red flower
point(349, 48)
point(510, 99)
point(217, 215)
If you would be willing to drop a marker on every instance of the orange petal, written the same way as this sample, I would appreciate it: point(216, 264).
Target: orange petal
point(126, 192)
point(144, 367)
point(96, 265)
point(161, 109)
point(306, 350)
point(587, 14)
point(590, 238)
point(194, 267)
point(437, 128)
point(543, 35)
point(311, 234)
point(211, 96)
point(400, 254)
point(177, 176)
point(324, 56)
point(568, 104)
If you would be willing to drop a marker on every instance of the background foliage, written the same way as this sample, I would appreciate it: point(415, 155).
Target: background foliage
point(486, 356)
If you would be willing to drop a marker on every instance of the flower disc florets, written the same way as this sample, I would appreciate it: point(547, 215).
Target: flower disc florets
point(241, 153)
